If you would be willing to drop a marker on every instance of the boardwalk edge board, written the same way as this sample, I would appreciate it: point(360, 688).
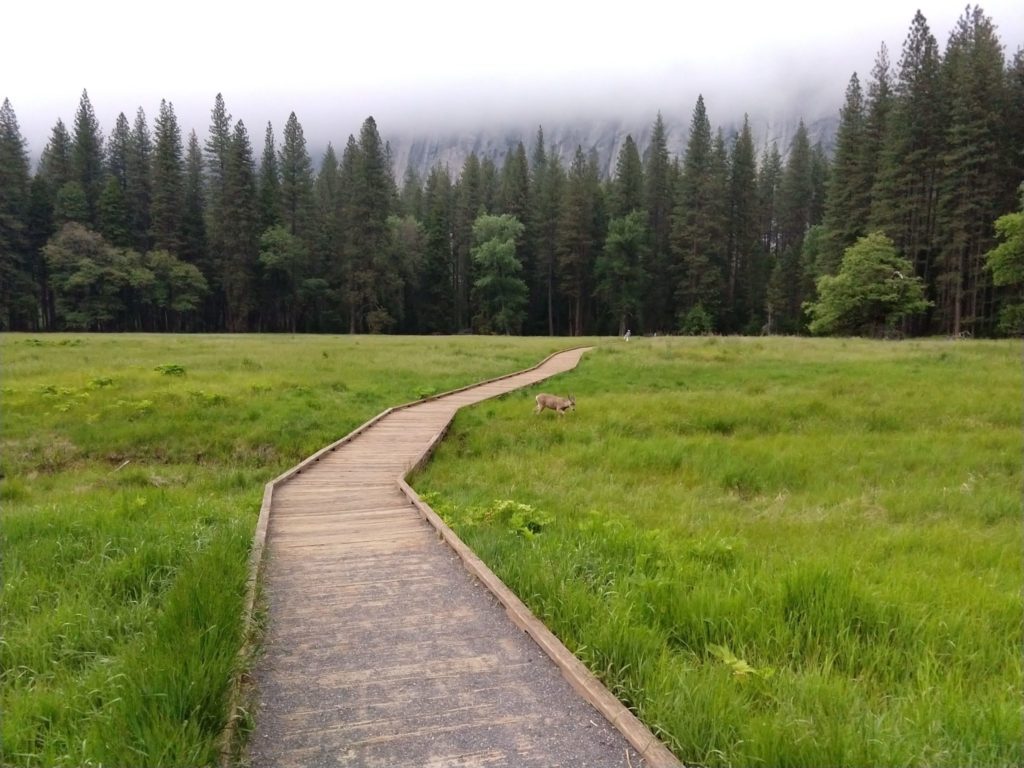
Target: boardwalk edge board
point(651, 749)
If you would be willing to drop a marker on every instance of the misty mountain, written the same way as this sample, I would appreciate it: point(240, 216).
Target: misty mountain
point(422, 151)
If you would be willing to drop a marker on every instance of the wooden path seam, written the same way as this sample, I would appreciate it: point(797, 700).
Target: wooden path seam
point(587, 686)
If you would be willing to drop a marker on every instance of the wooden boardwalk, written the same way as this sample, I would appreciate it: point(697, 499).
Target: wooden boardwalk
point(383, 650)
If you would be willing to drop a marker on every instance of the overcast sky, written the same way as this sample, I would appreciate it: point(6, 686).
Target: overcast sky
point(422, 65)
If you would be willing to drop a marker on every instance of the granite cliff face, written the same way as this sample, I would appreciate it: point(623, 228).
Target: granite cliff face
point(422, 152)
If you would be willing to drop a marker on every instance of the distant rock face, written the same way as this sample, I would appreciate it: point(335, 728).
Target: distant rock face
point(605, 137)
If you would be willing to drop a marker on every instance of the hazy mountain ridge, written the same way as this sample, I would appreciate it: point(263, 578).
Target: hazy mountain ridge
point(606, 137)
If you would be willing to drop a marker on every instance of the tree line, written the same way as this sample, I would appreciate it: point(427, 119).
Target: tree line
point(145, 229)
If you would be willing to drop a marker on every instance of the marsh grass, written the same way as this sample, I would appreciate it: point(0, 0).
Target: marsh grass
point(777, 551)
point(132, 472)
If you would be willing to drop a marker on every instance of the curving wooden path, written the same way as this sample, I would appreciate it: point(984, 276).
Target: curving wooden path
point(384, 650)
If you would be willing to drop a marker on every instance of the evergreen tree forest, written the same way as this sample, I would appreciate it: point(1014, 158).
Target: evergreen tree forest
point(154, 227)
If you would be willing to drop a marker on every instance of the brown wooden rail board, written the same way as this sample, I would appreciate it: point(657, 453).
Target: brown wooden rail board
point(390, 644)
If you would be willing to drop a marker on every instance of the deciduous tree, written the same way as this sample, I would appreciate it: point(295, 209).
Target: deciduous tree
point(1006, 263)
point(499, 290)
point(873, 291)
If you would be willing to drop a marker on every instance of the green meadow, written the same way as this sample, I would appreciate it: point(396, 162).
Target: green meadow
point(784, 552)
point(132, 473)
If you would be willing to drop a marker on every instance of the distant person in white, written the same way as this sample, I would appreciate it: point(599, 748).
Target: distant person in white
point(628, 334)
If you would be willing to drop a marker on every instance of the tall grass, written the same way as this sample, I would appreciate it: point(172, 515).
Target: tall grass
point(132, 472)
point(777, 551)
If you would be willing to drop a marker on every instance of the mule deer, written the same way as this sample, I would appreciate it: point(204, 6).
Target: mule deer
point(555, 403)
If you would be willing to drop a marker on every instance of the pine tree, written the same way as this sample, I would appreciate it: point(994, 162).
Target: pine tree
point(796, 192)
point(973, 187)
point(71, 205)
point(467, 209)
point(534, 272)
point(217, 150)
point(372, 194)
point(55, 164)
point(489, 185)
point(18, 306)
point(876, 117)
point(39, 227)
point(847, 204)
point(1014, 125)
point(547, 199)
point(698, 221)
point(627, 188)
point(57, 199)
point(515, 184)
point(538, 158)
point(269, 183)
point(745, 258)
point(406, 260)
point(821, 177)
point(118, 148)
point(329, 246)
point(658, 200)
point(905, 194)
point(389, 164)
point(168, 182)
point(114, 220)
point(87, 155)
point(342, 266)
point(239, 231)
point(769, 182)
point(787, 286)
point(411, 195)
point(138, 190)
point(296, 181)
point(437, 299)
point(580, 236)
point(193, 223)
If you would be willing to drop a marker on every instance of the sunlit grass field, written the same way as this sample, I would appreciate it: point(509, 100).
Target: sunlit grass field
point(783, 552)
point(132, 472)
